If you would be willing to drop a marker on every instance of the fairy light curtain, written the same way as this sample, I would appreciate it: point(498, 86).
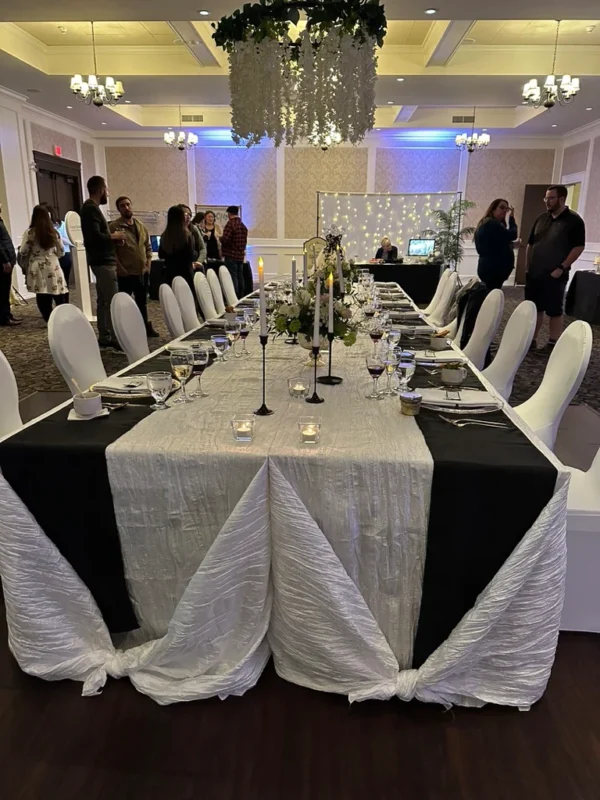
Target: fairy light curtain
point(367, 218)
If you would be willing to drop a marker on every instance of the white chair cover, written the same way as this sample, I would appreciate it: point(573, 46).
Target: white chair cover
point(438, 292)
point(129, 327)
point(217, 292)
point(516, 340)
point(74, 348)
point(171, 312)
point(227, 284)
point(204, 295)
point(10, 419)
point(564, 372)
point(581, 610)
point(187, 304)
point(438, 317)
point(486, 325)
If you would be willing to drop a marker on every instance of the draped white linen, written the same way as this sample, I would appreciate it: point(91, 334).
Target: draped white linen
point(341, 525)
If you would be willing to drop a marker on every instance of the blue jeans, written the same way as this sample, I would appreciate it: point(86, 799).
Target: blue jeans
point(236, 270)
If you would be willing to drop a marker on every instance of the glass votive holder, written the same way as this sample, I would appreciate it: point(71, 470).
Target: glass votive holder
point(310, 430)
point(243, 427)
point(299, 388)
point(410, 403)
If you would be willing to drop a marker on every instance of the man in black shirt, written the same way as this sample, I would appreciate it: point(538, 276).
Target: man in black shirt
point(100, 252)
point(556, 241)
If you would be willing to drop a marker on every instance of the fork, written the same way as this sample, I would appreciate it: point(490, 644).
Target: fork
point(460, 423)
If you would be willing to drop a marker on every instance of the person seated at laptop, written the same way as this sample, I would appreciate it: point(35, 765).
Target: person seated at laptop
point(387, 251)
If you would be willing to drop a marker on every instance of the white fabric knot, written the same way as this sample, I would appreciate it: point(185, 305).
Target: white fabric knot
point(406, 684)
point(114, 665)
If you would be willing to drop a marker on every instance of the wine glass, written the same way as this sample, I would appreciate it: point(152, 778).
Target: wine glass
point(159, 386)
point(244, 331)
point(232, 331)
point(393, 338)
point(406, 369)
point(182, 364)
point(220, 343)
point(390, 362)
point(375, 366)
point(201, 356)
point(376, 334)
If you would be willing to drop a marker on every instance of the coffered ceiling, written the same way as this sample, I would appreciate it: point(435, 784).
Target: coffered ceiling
point(429, 69)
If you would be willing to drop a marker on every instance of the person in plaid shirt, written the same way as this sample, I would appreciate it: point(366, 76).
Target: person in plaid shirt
point(233, 248)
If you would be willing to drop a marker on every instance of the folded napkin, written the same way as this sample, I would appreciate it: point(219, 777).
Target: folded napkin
point(440, 356)
point(408, 314)
point(396, 304)
point(215, 323)
point(75, 417)
point(469, 398)
point(385, 283)
point(419, 330)
point(124, 384)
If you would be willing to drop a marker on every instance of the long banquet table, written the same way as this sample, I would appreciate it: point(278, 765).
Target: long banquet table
point(399, 557)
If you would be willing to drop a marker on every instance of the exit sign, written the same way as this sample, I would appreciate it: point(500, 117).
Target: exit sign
point(57, 150)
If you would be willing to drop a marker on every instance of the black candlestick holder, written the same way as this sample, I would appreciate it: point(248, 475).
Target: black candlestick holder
point(292, 340)
point(264, 410)
point(329, 379)
point(315, 397)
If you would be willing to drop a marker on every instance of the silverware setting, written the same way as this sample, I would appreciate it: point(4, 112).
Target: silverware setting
point(461, 423)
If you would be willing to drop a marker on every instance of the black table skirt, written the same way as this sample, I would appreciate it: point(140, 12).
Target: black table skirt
point(419, 281)
point(583, 297)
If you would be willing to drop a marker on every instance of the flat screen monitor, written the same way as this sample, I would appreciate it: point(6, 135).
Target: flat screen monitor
point(154, 243)
point(421, 247)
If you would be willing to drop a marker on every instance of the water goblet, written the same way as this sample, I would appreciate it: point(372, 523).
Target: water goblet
point(182, 364)
point(405, 369)
point(201, 356)
point(375, 367)
point(159, 386)
point(220, 343)
point(393, 338)
point(390, 362)
point(232, 331)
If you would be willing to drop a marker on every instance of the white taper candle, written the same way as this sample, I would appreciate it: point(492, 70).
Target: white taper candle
point(262, 297)
point(316, 335)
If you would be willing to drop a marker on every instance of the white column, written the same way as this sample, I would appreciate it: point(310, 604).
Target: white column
point(463, 172)
point(371, 164)
point(191, 178)
point(280, 190)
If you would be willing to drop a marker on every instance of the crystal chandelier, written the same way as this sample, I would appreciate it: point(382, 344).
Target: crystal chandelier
point(91, 91)
point(472, 141)
point(182, 140)
point(555, 89)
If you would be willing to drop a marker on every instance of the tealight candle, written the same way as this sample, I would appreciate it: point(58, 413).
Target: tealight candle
point(310, 429)
point(299, 387)
point(243, 427)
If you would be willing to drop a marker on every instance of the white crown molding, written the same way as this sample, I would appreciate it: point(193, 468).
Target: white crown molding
point(116, 50)
point(589, 131)
point(13, 99)
point(31, 41)
point(40, 115)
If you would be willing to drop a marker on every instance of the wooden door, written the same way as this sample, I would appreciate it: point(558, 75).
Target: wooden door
point(59, 182)
point(533, 206)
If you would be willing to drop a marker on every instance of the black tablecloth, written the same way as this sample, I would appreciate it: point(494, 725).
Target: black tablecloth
point(419, 281)
point(583, 297)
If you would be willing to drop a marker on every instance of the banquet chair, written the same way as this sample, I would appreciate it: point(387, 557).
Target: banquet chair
point(217, 292)
point(74, 348)
point(129, 327)
point(10, 419)
point(438, 317)
point(187, 305)
point(228, 288)
point(438, 292)
point(581, 609)
point(204, 295)
point(515, 343)
point(564, 372)
point(171, 311)
point(486, 326)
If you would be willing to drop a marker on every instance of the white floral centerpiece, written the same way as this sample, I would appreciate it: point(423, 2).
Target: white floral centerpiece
point(297, 318)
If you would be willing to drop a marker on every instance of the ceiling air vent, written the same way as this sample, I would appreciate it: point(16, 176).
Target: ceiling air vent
point(192, 118)
point(463, 119)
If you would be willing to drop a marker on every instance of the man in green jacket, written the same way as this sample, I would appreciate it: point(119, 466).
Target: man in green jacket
point(134, 256)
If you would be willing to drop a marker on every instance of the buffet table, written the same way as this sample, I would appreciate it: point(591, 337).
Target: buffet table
point(418, 280)
point(384, 561)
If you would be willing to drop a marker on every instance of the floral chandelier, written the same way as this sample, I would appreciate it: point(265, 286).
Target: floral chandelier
point(473, 141)
point(555, 89)
point(182, 140)
point(288, 89)
point(91, 91)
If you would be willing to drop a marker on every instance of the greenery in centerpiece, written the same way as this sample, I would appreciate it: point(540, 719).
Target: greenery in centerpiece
point(297, 317)
point(326, 262)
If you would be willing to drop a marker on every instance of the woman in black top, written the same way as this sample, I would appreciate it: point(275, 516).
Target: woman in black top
point(177, 248)
point(212, 236)
point(494, 243)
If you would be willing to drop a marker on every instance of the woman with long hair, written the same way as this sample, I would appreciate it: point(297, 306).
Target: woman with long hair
point(494, 238)
point(178, 248)
point(41, 250)
point(66, 261)
point(212, 233)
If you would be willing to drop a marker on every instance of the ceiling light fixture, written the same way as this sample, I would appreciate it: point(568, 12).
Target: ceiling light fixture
point(103, 123)
point(204, 13)
point(399, 80)
point(431, 11)
point(90, 91)
point(70, 108)
point(555, 126)
point(390, 102)
point(473, 141)
point(128, 102)
point(589, 108)
point(180, 141)
point(555, 89)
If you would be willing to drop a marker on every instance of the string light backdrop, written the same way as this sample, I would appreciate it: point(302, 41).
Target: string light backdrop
point(367, 218)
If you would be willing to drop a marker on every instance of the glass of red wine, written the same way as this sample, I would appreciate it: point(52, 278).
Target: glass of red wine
point(376, 368)
point(245, 327)
point(201, 356)
point(376, 334)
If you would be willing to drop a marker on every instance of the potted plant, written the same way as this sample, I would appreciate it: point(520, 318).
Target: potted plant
point(449, 236)
point(453, 373)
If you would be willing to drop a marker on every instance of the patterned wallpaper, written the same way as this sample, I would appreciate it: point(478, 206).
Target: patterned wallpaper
point(592, 203)
point(308, 170)
point(237, 176)
point(415, 170)
point(153, 177)
point(44, 139)
point(88, 163)
point(505, 173)
point(575, 158)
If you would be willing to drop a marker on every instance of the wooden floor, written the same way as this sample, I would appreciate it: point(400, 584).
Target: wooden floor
point(285, 742)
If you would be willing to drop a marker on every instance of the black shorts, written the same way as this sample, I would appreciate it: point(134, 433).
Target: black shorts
point(547, 293)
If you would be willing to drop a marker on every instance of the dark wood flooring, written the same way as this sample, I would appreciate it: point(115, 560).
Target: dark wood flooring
point(283, 742)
